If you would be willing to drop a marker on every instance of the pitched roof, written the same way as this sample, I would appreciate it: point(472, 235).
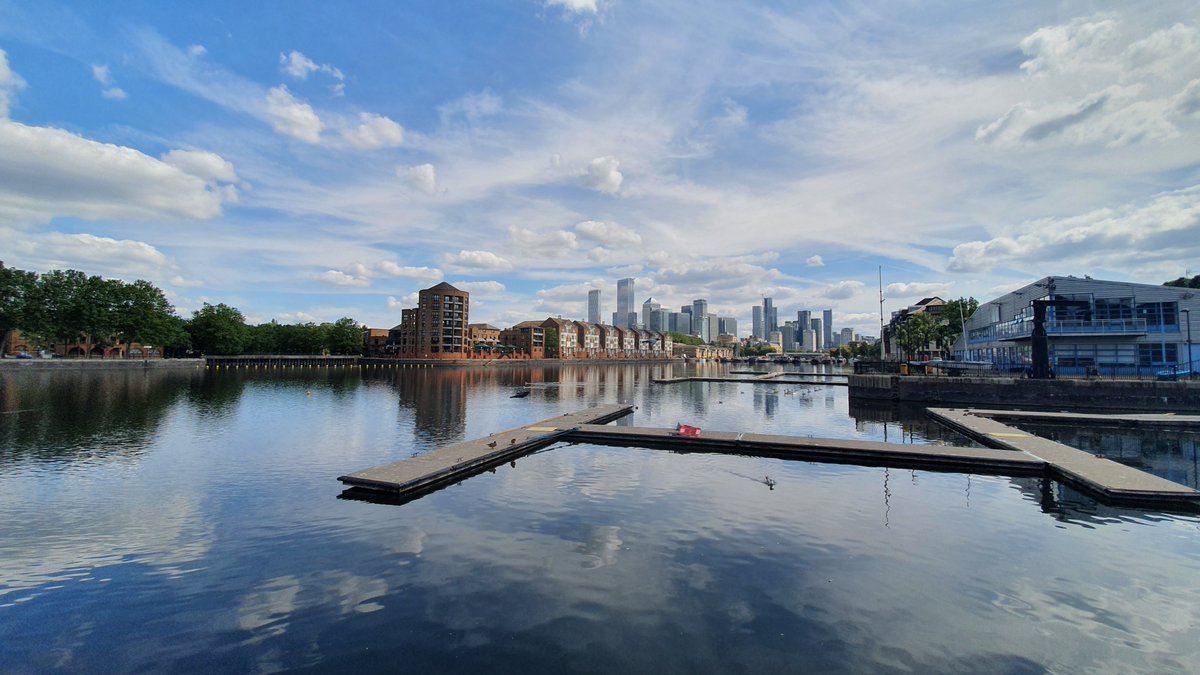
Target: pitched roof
point(444, 287)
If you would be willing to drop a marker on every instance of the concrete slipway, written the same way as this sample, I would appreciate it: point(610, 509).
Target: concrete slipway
point(1010, 452)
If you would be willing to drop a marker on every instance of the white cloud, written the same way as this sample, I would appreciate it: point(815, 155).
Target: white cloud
point(392, 269)
point(815, 261)
point(843, 290)
point(295, 317)
point(180, 282)
point(482, 260)
point(374, 131)
point(422, 177)
point(299, 66)
point(575, 6)
point(196, 51)
point(104, 77)
point(50, 172)
point(922, 288)
point(292, 117)
point(1122, 238)
point(546, 244)
point(603, 174)
point(202, 164)
point(1097, 80)
point(337, 278)
point(9, 83)
point(395, 305)
point(610, 234)
point(472, 107)
point(480, 287)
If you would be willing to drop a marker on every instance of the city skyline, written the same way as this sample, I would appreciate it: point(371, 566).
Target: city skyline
point(334, 163)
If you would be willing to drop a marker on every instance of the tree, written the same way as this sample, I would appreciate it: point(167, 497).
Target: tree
point(916, 332)
point(16, 287)
point(681, 339)
point(952, 317)
point(344, 336)
point(142, 314)
point(66, 306)
point(218, 329)
point(1185, 282)
point(551, 343)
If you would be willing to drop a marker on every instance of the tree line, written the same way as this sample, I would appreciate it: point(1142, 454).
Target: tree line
point(70, 307)
point(918, 331)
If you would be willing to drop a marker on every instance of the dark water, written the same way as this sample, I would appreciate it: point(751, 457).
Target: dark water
point(1170, 454)
point(190, 523)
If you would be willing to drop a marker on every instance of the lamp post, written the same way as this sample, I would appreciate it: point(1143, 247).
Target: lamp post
point(1187, 316)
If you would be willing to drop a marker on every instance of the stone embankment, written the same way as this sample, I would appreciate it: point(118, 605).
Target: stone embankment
point(1068, 394)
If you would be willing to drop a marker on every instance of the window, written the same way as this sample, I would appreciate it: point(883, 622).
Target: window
point(1157, 354)
point(1159, 313)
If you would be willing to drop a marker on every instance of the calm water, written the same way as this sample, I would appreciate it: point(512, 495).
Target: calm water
point(191, 523)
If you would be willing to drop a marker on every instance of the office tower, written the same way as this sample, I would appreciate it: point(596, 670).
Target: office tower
point(847, 337)
point(819, 335)
point(699, 317)
point(770, 316)
point(626, 316)
point(827, 323)
point(677, 321)
point(789, 336)
point(728, 326)
point(756, 321)
point(713, 324)
point(803, 319)
point(648, 307)
point(809, 342)
point(660, 320)
point(593, 310)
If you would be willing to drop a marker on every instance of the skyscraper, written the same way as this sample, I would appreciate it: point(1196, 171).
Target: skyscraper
point(803, 322)
point(756, 322)
point(770, 316)
point(818, 333)
point(626, 316)
point(648, 307)
point(699, 317)
point(594, 306)
point(827, 324)
point(728, 326)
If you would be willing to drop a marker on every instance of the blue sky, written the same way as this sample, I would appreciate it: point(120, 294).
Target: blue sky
point(306, 161)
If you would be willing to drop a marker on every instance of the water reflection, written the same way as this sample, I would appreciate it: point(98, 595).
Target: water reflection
point(1168, 454)
point(55, 416)
point(223, 549)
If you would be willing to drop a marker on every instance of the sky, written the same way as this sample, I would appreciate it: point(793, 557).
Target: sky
point(306, 161)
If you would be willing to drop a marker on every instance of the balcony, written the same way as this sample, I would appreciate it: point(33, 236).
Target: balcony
point(1022, 329)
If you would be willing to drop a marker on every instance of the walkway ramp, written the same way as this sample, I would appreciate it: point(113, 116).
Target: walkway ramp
point(1113, 481)
point(455, 462)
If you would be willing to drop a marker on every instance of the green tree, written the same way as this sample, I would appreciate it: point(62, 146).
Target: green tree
point(218, 329)
point(69, 307)
point(916, 332)
point(681, 339)
point(552, 343)
point(952, 317)
point(16, 287)
point(344, 336)
point(1185, 282)
point(142, 314)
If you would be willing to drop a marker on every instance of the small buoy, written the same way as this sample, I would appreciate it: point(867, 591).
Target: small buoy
point(309, 393)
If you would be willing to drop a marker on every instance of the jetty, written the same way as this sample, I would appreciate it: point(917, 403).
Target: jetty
point(429, 471)
point(759, 377)
point(1008, 451)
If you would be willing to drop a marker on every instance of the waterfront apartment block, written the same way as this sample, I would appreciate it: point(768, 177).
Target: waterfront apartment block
point(1092, 326)
point(527, 338)
point(437, 327)
point(482, 337)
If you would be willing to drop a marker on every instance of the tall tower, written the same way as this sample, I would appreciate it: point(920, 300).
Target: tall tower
point(827, 324)
point(699, 317)
point(770, 317)
point(594, 306)
point(756, 322)
point(626, 316)
point(648, 308)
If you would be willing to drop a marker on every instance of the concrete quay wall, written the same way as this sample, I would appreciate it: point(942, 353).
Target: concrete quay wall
point(1020, 392)
point(66, 365)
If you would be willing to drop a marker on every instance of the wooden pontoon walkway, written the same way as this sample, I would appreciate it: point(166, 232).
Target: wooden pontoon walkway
point(455, 462)
point(778, 377)
point(1112, 481)
point(1010, 452)
point(1155, 420)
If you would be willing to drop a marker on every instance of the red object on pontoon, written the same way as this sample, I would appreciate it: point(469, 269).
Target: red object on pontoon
point(686, 430)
